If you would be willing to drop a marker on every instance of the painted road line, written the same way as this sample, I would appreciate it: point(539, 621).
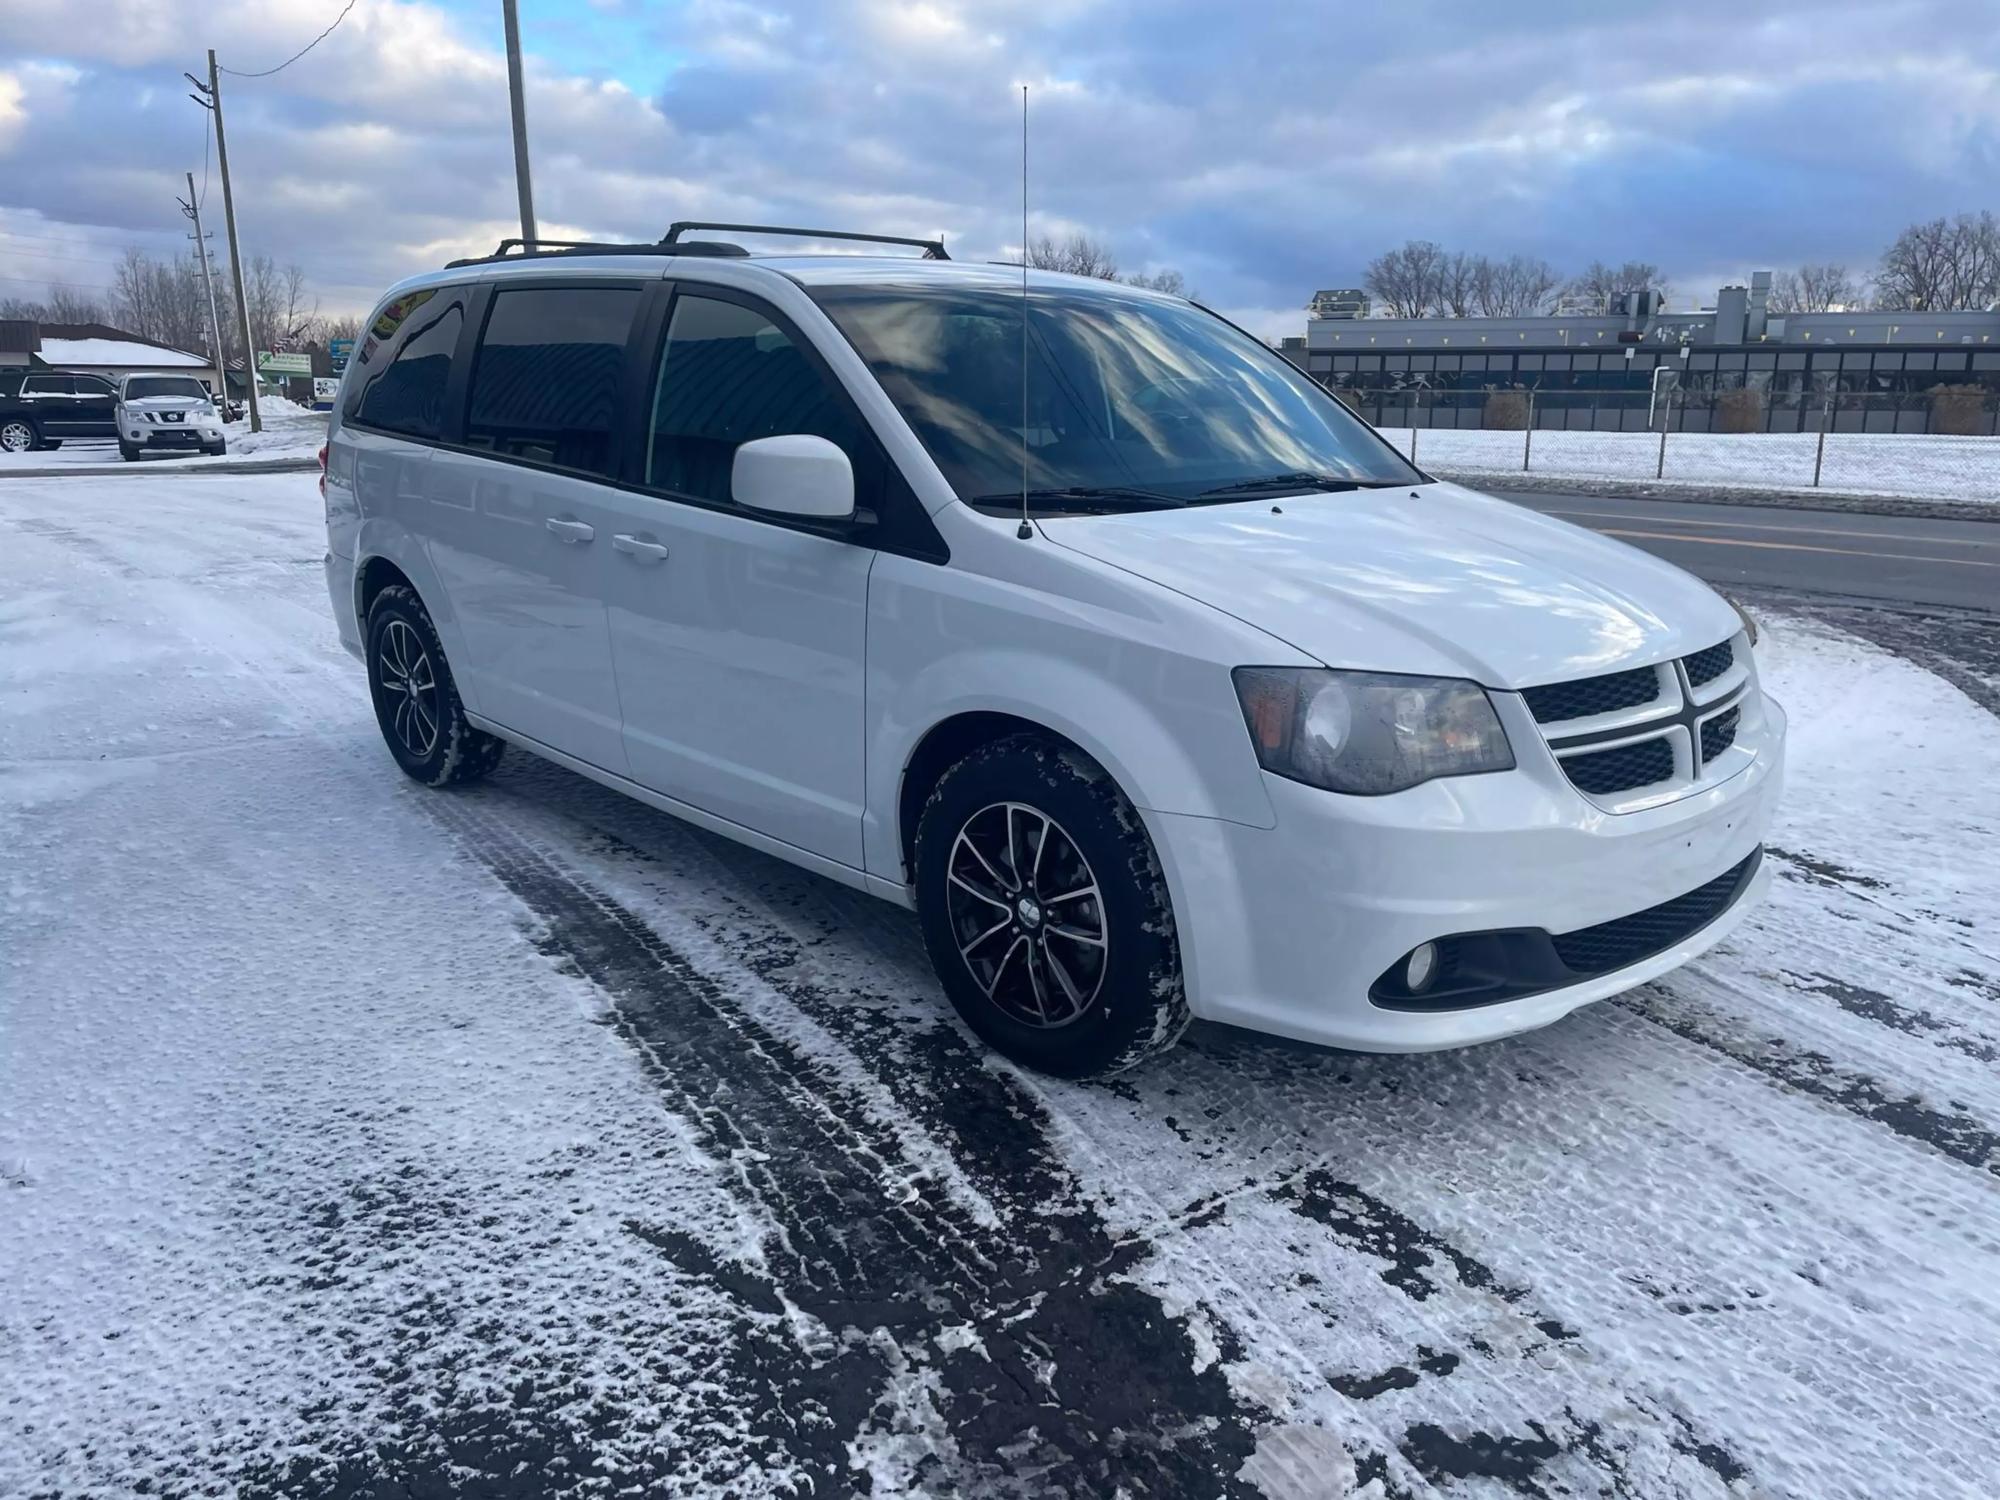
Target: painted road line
point(1887, 536)
point(1725, 541)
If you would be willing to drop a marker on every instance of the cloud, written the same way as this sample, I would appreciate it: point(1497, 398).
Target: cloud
point(1264, 151)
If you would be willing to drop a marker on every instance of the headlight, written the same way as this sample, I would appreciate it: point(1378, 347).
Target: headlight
point(1368, 733)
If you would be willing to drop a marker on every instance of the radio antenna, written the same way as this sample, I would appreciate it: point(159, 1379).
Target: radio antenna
point(1026, 531)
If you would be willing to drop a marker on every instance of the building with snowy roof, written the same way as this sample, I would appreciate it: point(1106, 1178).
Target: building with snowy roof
point(96, 349)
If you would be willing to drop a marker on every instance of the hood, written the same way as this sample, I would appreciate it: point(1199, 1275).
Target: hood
point(165, 403)
point(1437, 580)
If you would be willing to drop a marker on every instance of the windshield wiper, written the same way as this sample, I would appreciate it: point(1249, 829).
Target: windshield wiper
point(1104, 497)
point(1299, 481)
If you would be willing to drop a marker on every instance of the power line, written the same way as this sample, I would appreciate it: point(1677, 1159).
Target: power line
point(296, 55)
point(51, 283)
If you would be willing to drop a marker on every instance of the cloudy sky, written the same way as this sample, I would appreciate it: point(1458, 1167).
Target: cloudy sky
point(1262, 149)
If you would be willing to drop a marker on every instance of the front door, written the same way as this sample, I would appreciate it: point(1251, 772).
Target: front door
point(739, 638)
point(95, 411)
point(519, 526)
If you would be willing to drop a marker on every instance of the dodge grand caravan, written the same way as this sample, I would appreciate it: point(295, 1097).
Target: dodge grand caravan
point(1063, 612)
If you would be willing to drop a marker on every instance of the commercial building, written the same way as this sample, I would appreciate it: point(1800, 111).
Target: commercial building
point(1736, 366)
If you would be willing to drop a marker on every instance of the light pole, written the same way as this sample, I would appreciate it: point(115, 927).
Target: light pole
point(522, 184)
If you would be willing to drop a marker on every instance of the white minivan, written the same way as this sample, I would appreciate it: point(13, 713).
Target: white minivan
point(1067, 614)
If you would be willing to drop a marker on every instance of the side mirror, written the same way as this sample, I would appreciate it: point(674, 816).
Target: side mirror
point(795, 475)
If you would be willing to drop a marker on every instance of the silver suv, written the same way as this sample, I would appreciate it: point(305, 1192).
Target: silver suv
point(170, 412)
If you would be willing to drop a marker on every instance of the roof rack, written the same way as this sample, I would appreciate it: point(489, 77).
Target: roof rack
point(517, 249)
point(933, 249)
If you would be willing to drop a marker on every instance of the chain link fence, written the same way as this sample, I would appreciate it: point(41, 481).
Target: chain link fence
point(1942, 444)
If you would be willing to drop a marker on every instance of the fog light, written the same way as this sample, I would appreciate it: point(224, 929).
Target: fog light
point(1421, 967)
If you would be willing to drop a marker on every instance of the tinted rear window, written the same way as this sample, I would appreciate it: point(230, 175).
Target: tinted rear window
point(548, 378)
point(404, 363)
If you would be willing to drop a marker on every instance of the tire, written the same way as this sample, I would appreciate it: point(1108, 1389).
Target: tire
point(1104, 1006)
point(423, 723)
point(218, 450)
point(129, 453)
point(19, 435)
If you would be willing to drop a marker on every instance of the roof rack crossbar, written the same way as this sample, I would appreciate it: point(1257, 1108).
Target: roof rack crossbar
point(519, 249)
point(933, 249)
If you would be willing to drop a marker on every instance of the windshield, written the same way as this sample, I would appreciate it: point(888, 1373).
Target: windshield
point(142, 386)
point(1131, 400)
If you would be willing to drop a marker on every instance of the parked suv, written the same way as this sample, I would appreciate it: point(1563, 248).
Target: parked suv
point(170, 412)
point(40, 408)
point(1063, 612)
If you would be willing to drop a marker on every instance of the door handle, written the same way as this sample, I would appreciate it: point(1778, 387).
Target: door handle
point(571, 531)
point(645, 551)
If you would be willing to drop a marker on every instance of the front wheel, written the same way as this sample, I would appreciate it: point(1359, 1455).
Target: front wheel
point(129, 452)
point(221, 447)
point(1045, 912)
point(416, 701)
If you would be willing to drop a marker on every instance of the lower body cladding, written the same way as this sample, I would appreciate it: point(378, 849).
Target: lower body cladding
point(1528, 893)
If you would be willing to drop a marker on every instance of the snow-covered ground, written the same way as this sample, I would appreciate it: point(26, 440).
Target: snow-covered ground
point(290, 431)
point(1910, 465)
point(357, 1139)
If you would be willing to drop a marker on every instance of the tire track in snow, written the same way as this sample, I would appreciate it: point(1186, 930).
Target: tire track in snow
point(1955, 1134)
point(1011, 1359)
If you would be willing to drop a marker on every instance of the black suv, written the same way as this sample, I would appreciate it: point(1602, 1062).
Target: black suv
point(39, 408)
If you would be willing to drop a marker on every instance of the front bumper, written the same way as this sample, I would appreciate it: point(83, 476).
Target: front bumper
point(170, 435)
point(1284, 929)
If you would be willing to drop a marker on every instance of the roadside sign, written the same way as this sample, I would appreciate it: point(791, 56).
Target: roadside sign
point(338, 351)
point(284, 364)
point(324, 389)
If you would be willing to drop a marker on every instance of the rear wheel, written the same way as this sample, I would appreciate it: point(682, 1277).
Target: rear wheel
point(17, 435)
point(1045, 912)
point(416, 702)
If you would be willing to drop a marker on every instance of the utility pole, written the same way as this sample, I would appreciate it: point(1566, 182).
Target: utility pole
point(192, 208)
point(213, 104)
point(521, 183)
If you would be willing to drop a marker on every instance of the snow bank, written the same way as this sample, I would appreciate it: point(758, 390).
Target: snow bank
point(1942, 468)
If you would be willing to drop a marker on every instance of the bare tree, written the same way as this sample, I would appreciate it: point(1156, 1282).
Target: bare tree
point(1520, 286)
point(1942, 265)
point(1407, 281)
point(1599, 285)
point(1079, 254)
point(1814, 288)
point(1458, 283)
point(62, 304)
point(1162, 281)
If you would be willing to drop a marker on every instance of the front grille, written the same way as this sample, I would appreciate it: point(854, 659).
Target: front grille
point(1706, 666)
point(1592, 695)
point(1718, 734)
point(1602, 772)
point(1624, 941)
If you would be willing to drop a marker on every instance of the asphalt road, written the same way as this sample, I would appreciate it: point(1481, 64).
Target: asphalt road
point(1948, 564)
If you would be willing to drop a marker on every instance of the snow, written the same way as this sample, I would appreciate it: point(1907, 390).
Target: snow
point(84, 354)
point(290, 432)
point(1914, 465)
point(356, 1138)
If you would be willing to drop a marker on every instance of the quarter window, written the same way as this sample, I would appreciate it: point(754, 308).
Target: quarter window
point(546, 382)
point(404, 391)
point(730, 375)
